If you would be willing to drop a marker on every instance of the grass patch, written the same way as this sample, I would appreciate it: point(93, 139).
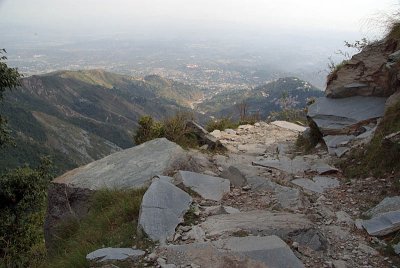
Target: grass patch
point(377, 159)
point(190, 218)
point(111, 222)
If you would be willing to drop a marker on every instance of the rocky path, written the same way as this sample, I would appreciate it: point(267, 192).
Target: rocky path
point(283, 210)
point(260, 204)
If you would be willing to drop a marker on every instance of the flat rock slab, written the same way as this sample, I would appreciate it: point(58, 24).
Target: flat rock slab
point(323, 168)
point(234, 175)
point(268, 251)
point(336, 116)
point(130, 168)
point(318, 184)
point(162, 209)
point(291, 166)
point(256, 222)
point(383, 224)
point(287, 197)
point(114, 254)
point(208, 187)
point(386, 205)
point(288, 125)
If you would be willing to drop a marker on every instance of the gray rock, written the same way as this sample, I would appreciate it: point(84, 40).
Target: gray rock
point(287, 197)
point(323, 168)
point(336, 143)
point(289, 126)
point(256, 222)
point(162, 209)
point(291, 166)
point(114, 254)
point(386, 205)
point(343, 217)
point(216, 133)
point(234, 175)
point(218, 210)
point(339, 264)
point(208, 187)
point(312, 239)
point(383, 224)
point(268, 251)
point(367, 249)
point(397, 248)
point(319, 184)
point(338, 116)
point(230, 131)
point(197, 234)
point(203, 135)
point(130, 168)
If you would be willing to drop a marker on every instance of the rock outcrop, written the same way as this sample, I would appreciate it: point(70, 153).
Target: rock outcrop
point(68, 194)
point(372, 72)
point(357, 95)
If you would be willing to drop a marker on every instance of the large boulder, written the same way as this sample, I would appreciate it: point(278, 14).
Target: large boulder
point(162, 209)
point(372, 72)
point(130, 168)
point(68, 194)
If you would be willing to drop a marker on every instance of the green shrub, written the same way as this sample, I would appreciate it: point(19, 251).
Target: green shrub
point(221, 124)
point(148, 130)
point(173, 128)
point(22, 210)
point(111, 222)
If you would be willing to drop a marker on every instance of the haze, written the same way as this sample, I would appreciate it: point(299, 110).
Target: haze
point(288, 36)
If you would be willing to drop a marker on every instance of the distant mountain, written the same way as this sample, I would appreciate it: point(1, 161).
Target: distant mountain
point(80, 116)
point(261, 99)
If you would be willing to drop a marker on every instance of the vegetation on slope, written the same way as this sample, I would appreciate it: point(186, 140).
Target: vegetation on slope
point(111, 222)
point(261, 100)
point(377, 159)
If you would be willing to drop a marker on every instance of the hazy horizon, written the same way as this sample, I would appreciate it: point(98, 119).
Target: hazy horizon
point(285, 37)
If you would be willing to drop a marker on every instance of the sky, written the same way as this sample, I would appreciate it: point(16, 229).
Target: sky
point(111, 16)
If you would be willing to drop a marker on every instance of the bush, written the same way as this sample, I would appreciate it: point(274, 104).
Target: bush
point(221, 124)
point(22, 210)
point(148, 130)
point(172, 128)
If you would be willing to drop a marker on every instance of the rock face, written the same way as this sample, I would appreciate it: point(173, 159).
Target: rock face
point(68, 195)
point(268, 251)
point(162, 209)
point(105, 255)
point(372, 72)
point(208, 187)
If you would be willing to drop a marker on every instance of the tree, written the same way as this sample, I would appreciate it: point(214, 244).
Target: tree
point(9, 79)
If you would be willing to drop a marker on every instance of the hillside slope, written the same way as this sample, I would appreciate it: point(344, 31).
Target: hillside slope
point(81, 116)
point(262, 99)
